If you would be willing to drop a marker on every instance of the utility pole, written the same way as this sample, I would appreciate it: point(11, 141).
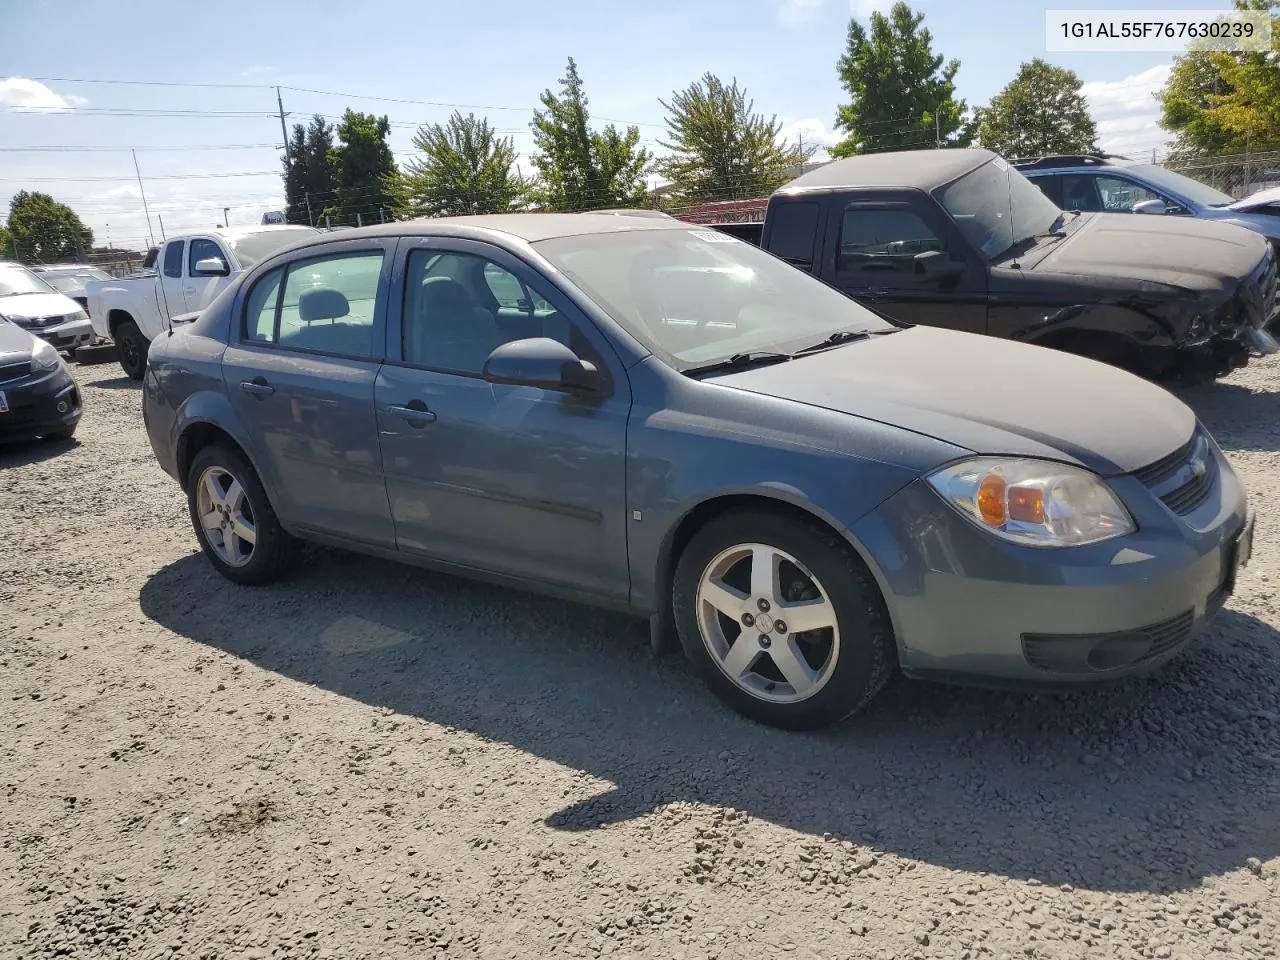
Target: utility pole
point(150, 235)
point(311, 222)
point(225, 221)
point(162, 236)
point(284, 131)
point(937, 129)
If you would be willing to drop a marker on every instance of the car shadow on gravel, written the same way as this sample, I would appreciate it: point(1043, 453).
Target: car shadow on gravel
point(24, 453)
point(1152, 784)
point(1238, 418)
point(118, 383)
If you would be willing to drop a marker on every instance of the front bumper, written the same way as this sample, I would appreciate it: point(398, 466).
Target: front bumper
point(40, 404)
point(966, 605)
point(65, 336)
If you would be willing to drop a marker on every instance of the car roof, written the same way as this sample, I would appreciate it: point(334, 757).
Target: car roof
point(922, 169)
point(530, 227)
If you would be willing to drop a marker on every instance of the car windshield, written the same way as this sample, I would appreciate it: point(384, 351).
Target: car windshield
point(249, 248)
point(698, 296)
point(1193, 190)
point(15, 280)
point(69, 282)
point(998, 207)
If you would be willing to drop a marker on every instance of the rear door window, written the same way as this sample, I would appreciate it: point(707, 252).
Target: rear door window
point(794, 232)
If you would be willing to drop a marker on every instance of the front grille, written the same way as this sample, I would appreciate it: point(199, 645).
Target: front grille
point(1104, 652)
point(1184, 479)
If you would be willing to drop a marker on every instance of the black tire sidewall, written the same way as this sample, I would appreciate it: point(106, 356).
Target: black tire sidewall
point(127, 334)
point(867, 656)
point(272, 549)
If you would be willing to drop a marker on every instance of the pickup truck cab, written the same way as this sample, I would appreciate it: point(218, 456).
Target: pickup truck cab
point(191, 270)
point(961, 239)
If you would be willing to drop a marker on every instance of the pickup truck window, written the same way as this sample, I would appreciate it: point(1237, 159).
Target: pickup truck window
point(883, 240)
point(173, 258)
point(794, 231)
point(202, 249)
point(997, 207)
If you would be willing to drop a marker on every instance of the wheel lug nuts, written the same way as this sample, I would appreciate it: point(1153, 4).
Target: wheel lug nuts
point(763, 605)
point(765, 641)
point(748, 619)
point(780, 626)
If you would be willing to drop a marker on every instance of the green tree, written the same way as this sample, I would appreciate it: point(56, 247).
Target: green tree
point(308, 172)
point(902, 94)
point(45, 230)
point(578, 168)
point(6, 244)
point(364, 169)
point(466, 168)
point(721, 148)
point(1040, 112)
point(1218, 102)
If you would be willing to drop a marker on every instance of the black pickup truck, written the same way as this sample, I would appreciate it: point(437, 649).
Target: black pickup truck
point(960, 239)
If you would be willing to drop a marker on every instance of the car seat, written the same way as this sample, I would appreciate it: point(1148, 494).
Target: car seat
point(448, 327)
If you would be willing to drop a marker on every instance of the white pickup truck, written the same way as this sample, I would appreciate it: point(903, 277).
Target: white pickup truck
point(190, 270)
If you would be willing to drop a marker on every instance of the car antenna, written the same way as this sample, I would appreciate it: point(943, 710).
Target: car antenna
point(1008, 182)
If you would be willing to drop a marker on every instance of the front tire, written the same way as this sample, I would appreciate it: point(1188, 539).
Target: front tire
point(132, 347)
point(233, 519)
point(782, 619)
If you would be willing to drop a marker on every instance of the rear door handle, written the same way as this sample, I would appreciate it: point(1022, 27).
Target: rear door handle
point(257, 388)
point(416, 417)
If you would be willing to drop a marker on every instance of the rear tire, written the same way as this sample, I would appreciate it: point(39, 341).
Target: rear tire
point(132, 347)
point(798, 679)
point(227, 503)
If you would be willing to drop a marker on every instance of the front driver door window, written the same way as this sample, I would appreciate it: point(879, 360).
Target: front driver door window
point(521, 480)
point(1119, 196)
point(877, 262)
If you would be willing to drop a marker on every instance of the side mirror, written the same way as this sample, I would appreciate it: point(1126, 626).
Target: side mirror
point(541, 362)
point(212, 267)
point(1155, 205)
point(938, 265)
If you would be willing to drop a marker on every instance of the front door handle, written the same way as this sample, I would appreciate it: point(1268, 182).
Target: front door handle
point(257, 387)
point(417, 416)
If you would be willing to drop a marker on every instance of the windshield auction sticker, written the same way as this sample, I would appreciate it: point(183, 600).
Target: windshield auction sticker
point(1170, 31)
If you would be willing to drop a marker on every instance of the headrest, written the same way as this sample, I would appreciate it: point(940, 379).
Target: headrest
point(446, 293)
point(322, 304)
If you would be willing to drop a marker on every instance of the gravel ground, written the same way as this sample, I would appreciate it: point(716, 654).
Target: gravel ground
point(372, 761)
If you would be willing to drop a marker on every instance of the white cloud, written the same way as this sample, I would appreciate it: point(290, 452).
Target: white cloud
point(811, 131)
point(24, 94)
point(1127, 112)
point(863, 9)
point(792, 12)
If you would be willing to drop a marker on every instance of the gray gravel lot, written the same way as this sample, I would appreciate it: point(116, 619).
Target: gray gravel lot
point(372, 761)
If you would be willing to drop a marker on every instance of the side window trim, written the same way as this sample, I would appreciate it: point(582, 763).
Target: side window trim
point(386, 247)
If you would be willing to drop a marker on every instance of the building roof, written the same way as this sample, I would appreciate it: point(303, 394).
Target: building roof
point(922, 169)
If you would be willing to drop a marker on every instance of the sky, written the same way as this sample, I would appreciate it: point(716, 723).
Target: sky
point(201, 149)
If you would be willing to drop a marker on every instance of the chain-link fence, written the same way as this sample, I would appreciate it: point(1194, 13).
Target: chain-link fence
point(1237, 174)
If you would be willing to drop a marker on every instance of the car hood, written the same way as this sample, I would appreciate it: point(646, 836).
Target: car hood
point(26, 305)
point(15, 343)
point(987, 395)
point(1260, 199)
point(1197, 255)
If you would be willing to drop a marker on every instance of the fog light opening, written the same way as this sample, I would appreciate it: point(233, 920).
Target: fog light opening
point(62, 406)
point(1116, 652)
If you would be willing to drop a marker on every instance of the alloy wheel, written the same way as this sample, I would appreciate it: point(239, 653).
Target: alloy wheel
point(768, 623)
point(226, 516)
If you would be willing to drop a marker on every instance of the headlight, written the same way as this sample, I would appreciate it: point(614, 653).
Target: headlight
point(78, 315)
point(1036, 503)
point(44, 357)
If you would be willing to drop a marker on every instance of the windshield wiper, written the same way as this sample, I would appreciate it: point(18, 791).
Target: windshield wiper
point(740, 361)
point(836, 339)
